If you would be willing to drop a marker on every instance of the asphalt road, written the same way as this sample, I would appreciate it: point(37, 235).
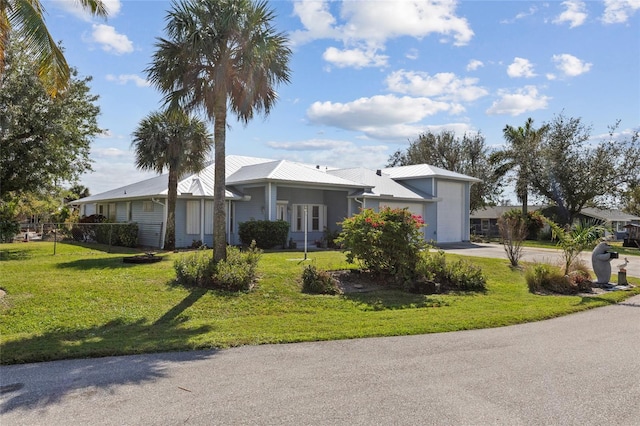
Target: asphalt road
point(581, 369)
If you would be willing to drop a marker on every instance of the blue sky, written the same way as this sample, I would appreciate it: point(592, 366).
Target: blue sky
point(369, 76)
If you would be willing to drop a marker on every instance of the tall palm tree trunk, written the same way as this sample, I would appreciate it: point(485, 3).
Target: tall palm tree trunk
point(219, 214)
point(170, 234)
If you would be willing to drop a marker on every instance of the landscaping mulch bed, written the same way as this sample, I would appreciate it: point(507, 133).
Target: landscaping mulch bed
point(142, 258)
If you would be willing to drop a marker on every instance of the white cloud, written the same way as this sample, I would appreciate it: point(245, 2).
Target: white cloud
point(109, 153)
point(443, 86)
point(333, 153)
point(356, 58)
point(412, 54)
point(520, 68)
point(518, 102)
point(317, 19)
point(571, 66)
point(619, 11)
point(375, 116)
point(308, 145)
point(474, 64)
point(126, 78)
point(110, 40)
point(381, 20)
point(532, 10)
point(574, 14)
point(372, 23)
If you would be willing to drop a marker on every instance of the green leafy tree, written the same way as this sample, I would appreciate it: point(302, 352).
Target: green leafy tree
point(573, 172)
point(24, 20)
point(518, 155)
point(468, 156)
point(75, 192)
point(9, 225)
point(174, 142)
point(45, 141)
point(631, 199)
point(220, 55)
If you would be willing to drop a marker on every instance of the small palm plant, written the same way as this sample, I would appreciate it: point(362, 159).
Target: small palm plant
point(573, 240)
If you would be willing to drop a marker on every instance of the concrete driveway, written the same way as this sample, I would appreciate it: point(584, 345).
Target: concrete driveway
point(537, 255)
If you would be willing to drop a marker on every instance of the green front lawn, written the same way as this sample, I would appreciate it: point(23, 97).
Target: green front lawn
point(84, 302)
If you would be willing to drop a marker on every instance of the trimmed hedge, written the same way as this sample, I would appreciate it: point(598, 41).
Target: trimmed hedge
point(266, 233)
point(121, 234)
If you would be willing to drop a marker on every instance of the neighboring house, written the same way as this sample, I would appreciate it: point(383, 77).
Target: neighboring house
point(263, 189)
point(485, 222)
point(617, 220)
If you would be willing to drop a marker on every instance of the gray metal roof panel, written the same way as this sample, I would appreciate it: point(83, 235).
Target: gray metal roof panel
point(425, 171)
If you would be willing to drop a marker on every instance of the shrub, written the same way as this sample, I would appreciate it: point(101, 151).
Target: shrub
point(387, 242)
point(238, 271)
point(266, 233)
point(513, 230)
point(536, 276)
point(87, 232)
point(195, 269)
point(543, 277)
point(459, 275)
point(316, 281)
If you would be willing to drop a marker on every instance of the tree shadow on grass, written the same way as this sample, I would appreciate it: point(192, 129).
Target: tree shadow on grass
point(14, 254)
point(393, 299)
point(29, 386)
point(98, 263)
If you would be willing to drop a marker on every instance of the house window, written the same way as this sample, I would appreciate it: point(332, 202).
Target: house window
point(111, 211)
point(147, 206)
point(129, 212)
point(299, 218)
point(281, 210)
point(316, 217)
point(101, 209)
point(193, 217)
point(208, 217)
point(485, 225)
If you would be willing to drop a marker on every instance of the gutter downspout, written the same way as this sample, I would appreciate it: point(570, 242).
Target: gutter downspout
point(165, 213)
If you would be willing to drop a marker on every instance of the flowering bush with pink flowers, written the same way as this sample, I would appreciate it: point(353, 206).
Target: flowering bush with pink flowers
point(387, 242)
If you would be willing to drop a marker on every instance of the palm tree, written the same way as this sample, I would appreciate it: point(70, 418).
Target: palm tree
point(176, 142)
point(220, 55)
point(519, 155)
point(24, 19)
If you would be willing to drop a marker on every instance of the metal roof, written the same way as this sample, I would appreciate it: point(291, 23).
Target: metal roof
point(246, 170)
point(609, 215)
point(381, 186)
point(287, 171)
point(417, 171)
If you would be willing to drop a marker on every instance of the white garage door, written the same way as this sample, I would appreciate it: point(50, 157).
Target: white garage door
point(450, 212)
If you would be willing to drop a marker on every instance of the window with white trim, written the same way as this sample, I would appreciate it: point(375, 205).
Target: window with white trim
point(316, 217)
point(147, 206)
point(193, 217)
